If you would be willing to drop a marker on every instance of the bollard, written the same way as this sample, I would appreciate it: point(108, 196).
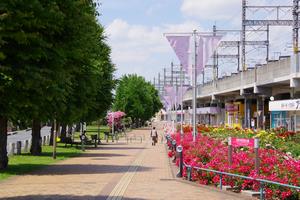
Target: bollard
point(82, 142)
point(12, 149)
point(179, 150)
point(174, 149)
point(19, 146)
point(26, 146)
point(189, 173)
point(44, 140)
point(95, 139)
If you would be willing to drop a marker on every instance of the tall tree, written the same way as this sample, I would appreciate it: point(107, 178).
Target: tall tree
point(137, 98)
point(53, 59)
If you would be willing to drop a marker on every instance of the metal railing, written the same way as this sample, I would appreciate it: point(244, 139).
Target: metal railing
point(262, 182)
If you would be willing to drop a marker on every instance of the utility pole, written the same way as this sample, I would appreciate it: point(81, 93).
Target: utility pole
point(296, 32)
point(268, 42)
point(172, 68)
point(243, 35)
point(159, 84)
point(165, 76)
point(215, 58)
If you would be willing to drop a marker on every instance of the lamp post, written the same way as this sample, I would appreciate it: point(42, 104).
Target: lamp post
point(181, 96)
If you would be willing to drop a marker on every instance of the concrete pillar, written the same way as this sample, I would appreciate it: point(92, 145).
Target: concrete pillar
point(260, 112)
point(263, 114)
point(247, 110)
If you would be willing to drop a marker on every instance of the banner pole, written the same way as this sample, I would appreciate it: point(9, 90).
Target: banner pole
point(181, 96)
point(194, 74)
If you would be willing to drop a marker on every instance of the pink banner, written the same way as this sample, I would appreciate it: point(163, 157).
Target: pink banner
point(181, 45)
point(167, 102)
point(206, 48)
point(171, 91)
point(242, 142)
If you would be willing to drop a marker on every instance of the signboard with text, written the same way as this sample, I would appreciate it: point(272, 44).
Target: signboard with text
point(242, 142)
point(285, 105)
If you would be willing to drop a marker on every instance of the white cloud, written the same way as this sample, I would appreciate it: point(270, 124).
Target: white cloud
point(140, 47)
point(211, 9)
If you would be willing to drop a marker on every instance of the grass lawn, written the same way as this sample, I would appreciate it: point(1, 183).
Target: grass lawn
point(22, 164)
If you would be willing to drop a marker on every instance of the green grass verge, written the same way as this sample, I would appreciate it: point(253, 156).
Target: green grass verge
point(25, 163)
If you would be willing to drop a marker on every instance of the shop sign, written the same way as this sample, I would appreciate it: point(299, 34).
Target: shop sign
point(231, 108)
point(242, 142)
point(285, 105)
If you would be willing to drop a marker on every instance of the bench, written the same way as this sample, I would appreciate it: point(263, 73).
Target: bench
point(69, 140)
point(92, 141)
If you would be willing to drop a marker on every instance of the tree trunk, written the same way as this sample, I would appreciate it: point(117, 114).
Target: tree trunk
point(3, 143)
point(63, 133)
point(36, 147)
point(57, 129)
point(51, 134)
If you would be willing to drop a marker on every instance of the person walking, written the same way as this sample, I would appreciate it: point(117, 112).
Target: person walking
point(153, 135)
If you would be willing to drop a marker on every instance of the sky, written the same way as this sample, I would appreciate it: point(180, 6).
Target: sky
point(135, 28)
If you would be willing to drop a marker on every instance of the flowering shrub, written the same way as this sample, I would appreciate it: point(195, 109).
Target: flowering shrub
point(212, 153)
point(116, 118)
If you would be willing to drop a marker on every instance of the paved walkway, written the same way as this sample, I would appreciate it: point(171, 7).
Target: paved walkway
point(114, 171)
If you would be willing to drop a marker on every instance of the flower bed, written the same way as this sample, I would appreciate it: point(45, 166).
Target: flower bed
point(279, 138)
point(212, 153)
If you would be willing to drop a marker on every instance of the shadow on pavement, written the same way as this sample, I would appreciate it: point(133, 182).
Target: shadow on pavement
point(63, 197)
point(66, 154)
point(70, 169)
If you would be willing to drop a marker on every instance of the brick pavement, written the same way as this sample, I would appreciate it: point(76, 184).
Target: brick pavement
point(114, 172)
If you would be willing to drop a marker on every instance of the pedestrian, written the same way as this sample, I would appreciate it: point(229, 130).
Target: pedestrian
point(153, 135)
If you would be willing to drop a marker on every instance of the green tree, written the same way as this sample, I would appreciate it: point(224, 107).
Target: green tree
point(137, 98)
point(55, 64)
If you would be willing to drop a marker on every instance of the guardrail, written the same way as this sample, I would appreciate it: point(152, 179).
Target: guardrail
point(262, 182)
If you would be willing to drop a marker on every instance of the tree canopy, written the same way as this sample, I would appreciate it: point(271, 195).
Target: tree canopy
point(54, 64)
point(137, 98)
